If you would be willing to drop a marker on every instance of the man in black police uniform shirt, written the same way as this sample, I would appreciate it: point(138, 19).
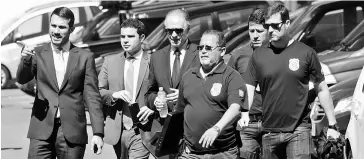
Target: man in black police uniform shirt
point(251, 134)
point(283, 70)
point(211, 96)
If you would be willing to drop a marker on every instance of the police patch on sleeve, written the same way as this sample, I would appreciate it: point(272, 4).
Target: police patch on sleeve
point(241, 93)
point(294, 64)
point(216, 89)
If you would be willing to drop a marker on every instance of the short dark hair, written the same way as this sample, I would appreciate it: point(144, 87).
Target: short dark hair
point(220, 37)
point(134, 23)
point(277, 8)
point(257, 16)
point(66, 13)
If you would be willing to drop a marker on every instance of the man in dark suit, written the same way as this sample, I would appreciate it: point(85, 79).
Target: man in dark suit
point(67, 81)
point(170, 63)
point(123, 81)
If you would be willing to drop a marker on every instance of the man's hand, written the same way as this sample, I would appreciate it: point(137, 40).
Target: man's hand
point(27, 50)
point(97, 142)
point(159, 104)
point(144, 114)
point(123, 95)
point(332, 133)
point(208, 137)
point(244, 120)
point(172, 97)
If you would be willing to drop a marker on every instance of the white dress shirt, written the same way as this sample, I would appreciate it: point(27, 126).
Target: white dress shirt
point(136, 64)
point(59, 65)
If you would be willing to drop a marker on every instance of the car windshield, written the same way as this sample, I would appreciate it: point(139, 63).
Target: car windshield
point(91, 27)
point(301, 20)
point(155, 38)
point(355, 37)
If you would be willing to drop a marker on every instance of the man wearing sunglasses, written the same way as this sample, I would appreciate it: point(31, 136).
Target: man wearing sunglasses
point(283, 70)
point(211, 96)
point(251, 134)
point(170, 63)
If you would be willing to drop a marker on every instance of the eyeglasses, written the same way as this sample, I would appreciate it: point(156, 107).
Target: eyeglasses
point(275, 26)
point(178, 31)
point(207, 48)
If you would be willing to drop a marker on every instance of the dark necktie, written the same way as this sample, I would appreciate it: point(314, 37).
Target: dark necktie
point(176, 67)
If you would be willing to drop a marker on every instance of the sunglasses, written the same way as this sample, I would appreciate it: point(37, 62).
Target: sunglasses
point(207, 48)
point(275, 26)
point(178, 31)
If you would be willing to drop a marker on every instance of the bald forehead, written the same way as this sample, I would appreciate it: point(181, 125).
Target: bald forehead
point(209, 39)
point(175, 20)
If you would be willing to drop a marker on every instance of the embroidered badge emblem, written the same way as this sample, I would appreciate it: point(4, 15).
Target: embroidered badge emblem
point(294, 64)
point(216, 89)
point(241, 93)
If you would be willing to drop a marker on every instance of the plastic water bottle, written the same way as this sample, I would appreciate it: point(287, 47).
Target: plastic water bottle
point(162, 96)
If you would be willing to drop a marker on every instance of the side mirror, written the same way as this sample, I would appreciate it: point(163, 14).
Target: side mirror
point(18, 37)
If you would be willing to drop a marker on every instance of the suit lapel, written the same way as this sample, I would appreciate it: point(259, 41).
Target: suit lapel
point(121, 65)
point(167, 56)
point(142, 70)
point(187, 61)
point(48, 56)
point(71, 64)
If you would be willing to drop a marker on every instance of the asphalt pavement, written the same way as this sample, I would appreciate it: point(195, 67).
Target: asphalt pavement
point(16, 109)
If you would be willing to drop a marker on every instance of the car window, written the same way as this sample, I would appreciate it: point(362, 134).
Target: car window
point(152, 41)
point(91, 12)
point(95, 10)
point(112, 27)
point(333, 27)
point(8, 39)
point(230, 18)
point(32, 27)
point(198, 27)
point(76, 13)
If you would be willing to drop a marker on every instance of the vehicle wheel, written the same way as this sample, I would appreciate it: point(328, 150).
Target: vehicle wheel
point(5, 77)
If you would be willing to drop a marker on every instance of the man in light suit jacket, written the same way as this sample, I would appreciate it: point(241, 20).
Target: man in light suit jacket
point(67, 81)
point(123, 81)
point(168, 65)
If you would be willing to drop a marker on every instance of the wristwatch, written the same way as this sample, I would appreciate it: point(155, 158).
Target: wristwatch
point(216, 128)
point(335, 127)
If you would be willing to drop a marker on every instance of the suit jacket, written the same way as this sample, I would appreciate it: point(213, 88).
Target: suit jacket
point(160, 72)
point(79, 88)
point(111, 79)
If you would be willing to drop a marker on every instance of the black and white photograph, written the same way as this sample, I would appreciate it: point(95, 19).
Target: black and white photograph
point(173, 79)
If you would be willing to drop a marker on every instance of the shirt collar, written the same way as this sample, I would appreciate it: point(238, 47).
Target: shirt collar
point(66, 47)
point(137, 56)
